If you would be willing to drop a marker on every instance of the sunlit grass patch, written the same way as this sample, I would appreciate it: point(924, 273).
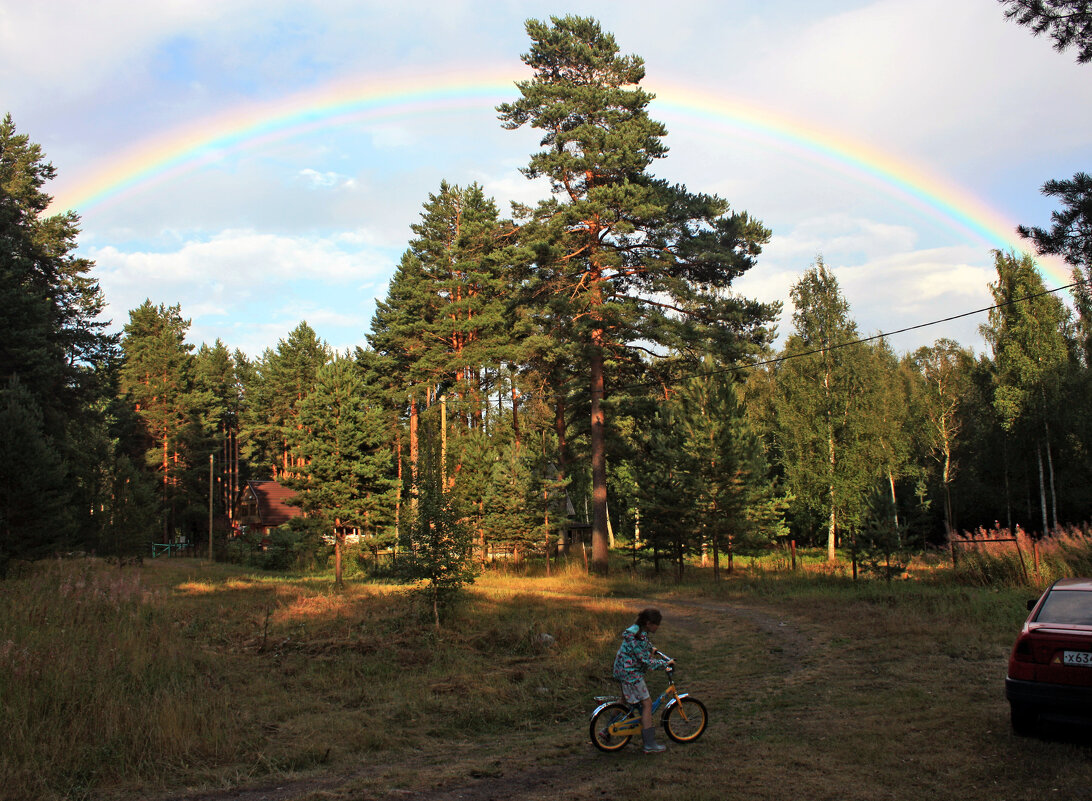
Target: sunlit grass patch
point(128, 682)
point(186, 672)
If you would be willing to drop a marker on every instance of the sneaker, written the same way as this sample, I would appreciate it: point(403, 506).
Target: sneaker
point(655, 748)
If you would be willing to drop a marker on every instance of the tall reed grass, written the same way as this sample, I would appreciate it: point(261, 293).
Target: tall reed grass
point(1024, 561)
point(96, 683)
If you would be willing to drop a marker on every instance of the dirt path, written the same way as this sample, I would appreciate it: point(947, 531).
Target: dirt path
point(477, 771)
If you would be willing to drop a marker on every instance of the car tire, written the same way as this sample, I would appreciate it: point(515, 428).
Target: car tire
point(1024, 719)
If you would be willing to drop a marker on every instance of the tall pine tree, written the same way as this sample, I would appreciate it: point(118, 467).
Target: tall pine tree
point(157, 381)
point(341, 440)
point(630, 259)
point(278, 383)
point(53, 341)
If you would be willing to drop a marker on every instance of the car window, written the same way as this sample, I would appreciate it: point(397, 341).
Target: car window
point(1068, 607)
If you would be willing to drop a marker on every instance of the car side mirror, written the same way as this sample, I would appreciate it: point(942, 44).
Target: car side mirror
point(1031, 603)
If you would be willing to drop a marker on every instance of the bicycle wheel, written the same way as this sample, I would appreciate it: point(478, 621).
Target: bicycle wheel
point(603, 740)
point(685, 721)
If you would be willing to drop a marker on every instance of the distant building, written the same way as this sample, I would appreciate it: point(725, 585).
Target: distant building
point(263, 505)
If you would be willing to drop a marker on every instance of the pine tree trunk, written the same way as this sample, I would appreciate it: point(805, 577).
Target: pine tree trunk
point(413, 453)
point(610, 528)
point(339, 539)
point(599, 462)
point(166, 488)
point(1050, 474)
point(546, 527)
point(515, 414)
point(832, 527)
point(398, 492)
point(1042, 490)
point(481, 532)
point(559, 430)
point(716, 560)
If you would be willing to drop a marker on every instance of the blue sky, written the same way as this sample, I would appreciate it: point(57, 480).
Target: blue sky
point(311, 227)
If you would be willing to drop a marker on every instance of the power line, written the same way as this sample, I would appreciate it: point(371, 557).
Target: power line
point(671, 381)
point(861, 341)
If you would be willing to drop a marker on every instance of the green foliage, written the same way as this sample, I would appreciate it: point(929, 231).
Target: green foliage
point(218, 396)
point(881, 546)
point(514, 504)
point(621, 259)
point(824, 403)
point(436, 548)
point(737, 501)
point(443, 318)
point(1027, 335)
point(1069, 22)
point(156, 379)
point(1033, 364)
point(297, 545)
point(53, 342)
point(341, 439)
point(278, 383)
point(940, 402)
point(130, 510)
point(1069, 237)
point(34, 498)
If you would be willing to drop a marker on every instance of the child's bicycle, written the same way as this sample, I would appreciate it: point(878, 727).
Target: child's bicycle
point(614, 722)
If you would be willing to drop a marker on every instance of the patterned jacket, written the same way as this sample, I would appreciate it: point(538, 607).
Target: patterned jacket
point(635, 656)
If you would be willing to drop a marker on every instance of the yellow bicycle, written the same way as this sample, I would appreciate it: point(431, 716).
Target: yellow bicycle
point(614, 722)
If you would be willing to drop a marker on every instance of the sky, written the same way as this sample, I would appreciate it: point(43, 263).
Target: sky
point(260, 163)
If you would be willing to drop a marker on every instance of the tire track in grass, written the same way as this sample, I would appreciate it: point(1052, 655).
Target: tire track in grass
point(586, 773)
point(503, 769)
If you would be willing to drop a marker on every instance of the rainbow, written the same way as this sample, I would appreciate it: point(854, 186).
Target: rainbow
point(376, 99)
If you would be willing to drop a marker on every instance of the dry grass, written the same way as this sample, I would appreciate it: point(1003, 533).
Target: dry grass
point(138, 682)
point(1024, 561)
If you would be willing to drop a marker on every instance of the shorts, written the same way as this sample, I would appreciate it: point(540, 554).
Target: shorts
point(635, 691)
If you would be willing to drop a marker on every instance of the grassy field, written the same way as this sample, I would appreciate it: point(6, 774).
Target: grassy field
point(181, 679)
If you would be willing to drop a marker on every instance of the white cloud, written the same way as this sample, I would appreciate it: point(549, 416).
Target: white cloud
point(248, 278)
point(240, 258)
point(325, 180)
point(903, 74)
point(513, 187)
point(839, 233)
point(893, 291)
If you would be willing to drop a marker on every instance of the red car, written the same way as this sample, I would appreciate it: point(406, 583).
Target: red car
point(1050, 669)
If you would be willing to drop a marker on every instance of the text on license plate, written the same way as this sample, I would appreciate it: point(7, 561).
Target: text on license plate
point(1083, 658)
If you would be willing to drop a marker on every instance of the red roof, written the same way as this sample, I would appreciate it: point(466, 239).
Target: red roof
point(272, 498)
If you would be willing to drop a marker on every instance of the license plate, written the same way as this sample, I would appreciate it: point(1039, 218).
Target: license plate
point(1082, 658)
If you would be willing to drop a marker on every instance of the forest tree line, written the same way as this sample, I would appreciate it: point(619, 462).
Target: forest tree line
point(584, 358)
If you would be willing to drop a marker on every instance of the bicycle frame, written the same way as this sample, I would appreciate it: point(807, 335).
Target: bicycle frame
point(629, 723)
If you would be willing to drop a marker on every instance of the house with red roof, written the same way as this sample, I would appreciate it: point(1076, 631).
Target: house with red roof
point(263, 506)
